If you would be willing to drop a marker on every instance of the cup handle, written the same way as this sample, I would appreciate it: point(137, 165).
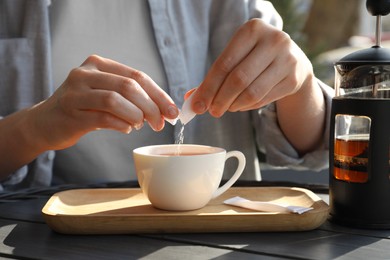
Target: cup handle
point(240, 168)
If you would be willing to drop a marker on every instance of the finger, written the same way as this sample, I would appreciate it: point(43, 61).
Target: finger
point(274, 93)
point(111, 103)
point(279, 70)
point(189, 93)
point(130, 90)
point(223, 66)
point(95, 120)
point(240, 79)
point(159, 96)
point(282, 68)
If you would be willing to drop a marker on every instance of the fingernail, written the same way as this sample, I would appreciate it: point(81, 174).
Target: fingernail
point(199, 107)
point(159, 125)
point(216, 113)
point(138, 126)
point(128, 131)
point(173, 111)
point(157, 128)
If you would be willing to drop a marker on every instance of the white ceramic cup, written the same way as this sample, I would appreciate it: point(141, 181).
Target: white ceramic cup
point(183, 177)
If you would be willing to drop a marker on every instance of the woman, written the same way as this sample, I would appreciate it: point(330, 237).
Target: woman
point(255, 84)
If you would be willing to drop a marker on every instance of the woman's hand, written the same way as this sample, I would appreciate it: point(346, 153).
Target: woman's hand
point(260, 64)
point(101, 93)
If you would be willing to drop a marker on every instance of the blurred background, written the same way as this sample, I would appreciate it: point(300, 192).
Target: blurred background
point(326, 31)
point(329, 30)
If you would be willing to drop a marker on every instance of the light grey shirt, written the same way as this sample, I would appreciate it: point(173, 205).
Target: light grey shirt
point(25, 75)
point(124, 35)
point(189, 35)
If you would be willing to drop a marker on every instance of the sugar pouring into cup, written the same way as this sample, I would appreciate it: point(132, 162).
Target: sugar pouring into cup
point(187, 181)
point(185, 116)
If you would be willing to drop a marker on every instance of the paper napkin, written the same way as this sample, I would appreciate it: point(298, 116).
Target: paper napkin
point(266, 206)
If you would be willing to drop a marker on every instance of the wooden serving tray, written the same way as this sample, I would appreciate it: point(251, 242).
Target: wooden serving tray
point(128, 211)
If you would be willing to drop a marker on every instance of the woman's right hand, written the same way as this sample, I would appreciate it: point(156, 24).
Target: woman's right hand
point(101, 94)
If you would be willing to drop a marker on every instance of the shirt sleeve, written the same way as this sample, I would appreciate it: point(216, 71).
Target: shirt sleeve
point(15, 178)
point(279, 151)
point(25, 75)
point(38, 173)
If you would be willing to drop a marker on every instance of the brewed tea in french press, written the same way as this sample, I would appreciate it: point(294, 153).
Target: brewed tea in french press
point(359, 183)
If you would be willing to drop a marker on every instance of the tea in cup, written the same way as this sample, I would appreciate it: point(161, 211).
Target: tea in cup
point(183, 177)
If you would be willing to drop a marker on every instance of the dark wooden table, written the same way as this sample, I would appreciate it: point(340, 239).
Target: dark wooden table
point(24, 235)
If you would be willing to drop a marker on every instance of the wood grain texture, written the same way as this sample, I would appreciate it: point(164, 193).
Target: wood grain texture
point(128, 211)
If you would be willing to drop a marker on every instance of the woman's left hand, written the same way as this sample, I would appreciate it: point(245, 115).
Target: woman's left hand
point(260, 64)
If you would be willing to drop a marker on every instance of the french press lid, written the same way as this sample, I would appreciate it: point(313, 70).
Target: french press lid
point(368, 66)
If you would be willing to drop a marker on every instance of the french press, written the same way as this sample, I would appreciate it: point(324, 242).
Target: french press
point(359, 182)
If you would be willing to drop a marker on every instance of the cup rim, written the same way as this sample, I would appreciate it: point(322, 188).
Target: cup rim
point(205, 150)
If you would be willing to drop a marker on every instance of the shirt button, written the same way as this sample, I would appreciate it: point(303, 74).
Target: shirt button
point(167, 41)
point(51, 155)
